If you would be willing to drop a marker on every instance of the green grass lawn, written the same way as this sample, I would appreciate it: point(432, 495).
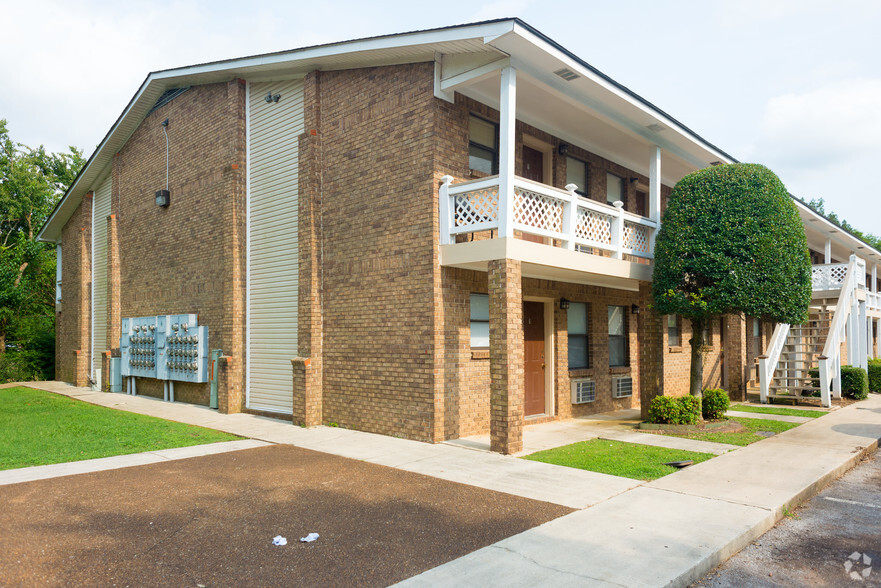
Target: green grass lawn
point(629, 460)
point(38, 428)
point(745, 437)
point(778, 410)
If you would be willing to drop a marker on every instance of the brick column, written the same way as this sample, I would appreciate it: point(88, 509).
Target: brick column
point(114, 314)
point(84, 297)
point(650, 335)
point(231, 383)
point(735, 356)
point(506, 356)
point(308, 368)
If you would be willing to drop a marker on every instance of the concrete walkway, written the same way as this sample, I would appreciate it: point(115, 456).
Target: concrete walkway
point(667, 532)
point(619, 425)
point(770, 417)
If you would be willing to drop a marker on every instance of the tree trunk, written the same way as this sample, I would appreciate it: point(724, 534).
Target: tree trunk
point(697, 359)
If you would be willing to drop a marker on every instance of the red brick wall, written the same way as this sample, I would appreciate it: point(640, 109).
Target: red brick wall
point(378, 219)
point(72, 321)
point(189, 257)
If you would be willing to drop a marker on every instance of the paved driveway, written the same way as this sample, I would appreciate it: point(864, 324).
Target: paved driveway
point(210, 521)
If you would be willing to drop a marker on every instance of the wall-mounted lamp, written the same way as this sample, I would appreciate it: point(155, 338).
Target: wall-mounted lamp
point(163, 197)
point(563, 149)
point(270, 97)
point(564, 304)
point(634, 309)
point(634, 180)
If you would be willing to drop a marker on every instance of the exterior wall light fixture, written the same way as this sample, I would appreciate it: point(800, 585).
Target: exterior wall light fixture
point(270, 97)
point(564, 304)
point(563, 149)
point(634, 309)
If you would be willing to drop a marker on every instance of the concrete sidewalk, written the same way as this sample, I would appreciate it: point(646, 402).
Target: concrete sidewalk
point(667, 532)
point(672, 531)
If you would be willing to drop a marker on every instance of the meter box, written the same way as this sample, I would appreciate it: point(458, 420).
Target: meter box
point(165, 347)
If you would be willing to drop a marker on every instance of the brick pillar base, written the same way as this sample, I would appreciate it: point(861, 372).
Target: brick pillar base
point(734, 348)
point(307, 401)
point(650, 335)
point(506, 356)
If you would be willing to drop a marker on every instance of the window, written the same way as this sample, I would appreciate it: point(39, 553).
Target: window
point(483, 146)
point(576, 173)
point(618, 356)
point(614, 188)
point(479, 321)
point(707, 334)
point(579, 328)
point(673, 339)
point(58, 272)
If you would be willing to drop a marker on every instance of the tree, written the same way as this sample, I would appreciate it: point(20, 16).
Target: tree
point(31, 182)
point(731, 242)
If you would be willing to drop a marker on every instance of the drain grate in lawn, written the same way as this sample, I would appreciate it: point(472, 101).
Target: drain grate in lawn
point(38, 428)
point(617, 458)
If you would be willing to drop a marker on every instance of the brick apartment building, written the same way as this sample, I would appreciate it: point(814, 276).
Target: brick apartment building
point(432, 235)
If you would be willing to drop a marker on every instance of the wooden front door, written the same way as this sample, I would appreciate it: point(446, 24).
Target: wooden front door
point(534, 358)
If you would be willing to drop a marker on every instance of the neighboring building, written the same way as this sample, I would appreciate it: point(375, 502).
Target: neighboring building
point(379, 233)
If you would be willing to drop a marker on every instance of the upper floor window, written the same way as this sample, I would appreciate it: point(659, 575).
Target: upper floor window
point(673, 339)
point(479, 321)
point(614, 188)
point(576, 173)
point(483, 146)
point(579, 329)
point(618, 356)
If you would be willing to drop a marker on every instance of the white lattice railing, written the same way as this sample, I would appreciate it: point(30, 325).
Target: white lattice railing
point(829, 276)
point(538, 209)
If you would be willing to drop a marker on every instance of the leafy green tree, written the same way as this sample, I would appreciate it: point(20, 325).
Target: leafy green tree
point(731, 242)
point(31, 182)
point(818, 205)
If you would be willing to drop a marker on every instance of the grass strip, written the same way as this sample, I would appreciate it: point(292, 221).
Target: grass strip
point(39, 428)
point(813, 414)
point(745, 437)
point(617, 458)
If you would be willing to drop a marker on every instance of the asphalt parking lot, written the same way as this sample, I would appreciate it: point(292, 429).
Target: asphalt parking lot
point(832, 540)
point(210, 521)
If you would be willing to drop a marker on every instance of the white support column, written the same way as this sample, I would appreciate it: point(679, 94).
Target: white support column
point(446, 222)
point(870, 338)
point(874, 287)
point(849, 334)
point(878, 335)
point(570, 216)
point(617, 230)
point(507, 141)
point(654, 193)
point(863, 348)
point(828, 252)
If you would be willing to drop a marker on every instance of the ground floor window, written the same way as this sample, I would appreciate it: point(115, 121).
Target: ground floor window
point(578, 327)
point(618, 356)
point(673, 338)
point(479, 321)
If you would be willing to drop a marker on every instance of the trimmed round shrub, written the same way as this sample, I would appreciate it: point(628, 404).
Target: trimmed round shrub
point(715, 403)
point(689, 409)
point(664, 410)
point(875, 375)
point(854, 382)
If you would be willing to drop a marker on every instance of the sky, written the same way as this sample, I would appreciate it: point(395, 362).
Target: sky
point(792, 84)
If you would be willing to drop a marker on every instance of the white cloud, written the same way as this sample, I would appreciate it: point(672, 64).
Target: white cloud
point(823, 127)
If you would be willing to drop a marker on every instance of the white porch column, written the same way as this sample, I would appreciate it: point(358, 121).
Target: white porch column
point(874, 287)
point(878, 334)
point(870, 337)
point(655, 192)
point(863, 340)
point(507, 122)
point(828, 251)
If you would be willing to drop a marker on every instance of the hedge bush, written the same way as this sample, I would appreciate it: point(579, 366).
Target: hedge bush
point(674, 411)
point(854, 382)
point(875, 375)
point(715, 403)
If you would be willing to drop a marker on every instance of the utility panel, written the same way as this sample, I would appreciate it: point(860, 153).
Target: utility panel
point(165, 347)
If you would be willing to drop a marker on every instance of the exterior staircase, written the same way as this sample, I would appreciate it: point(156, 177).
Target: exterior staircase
point(801, 352)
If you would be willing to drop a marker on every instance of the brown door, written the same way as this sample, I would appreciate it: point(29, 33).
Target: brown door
point(640, 204)
point(534, 358)
point(533, 169)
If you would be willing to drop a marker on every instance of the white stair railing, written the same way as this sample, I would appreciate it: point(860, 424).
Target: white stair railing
point(830, 360)
point(768, 362)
